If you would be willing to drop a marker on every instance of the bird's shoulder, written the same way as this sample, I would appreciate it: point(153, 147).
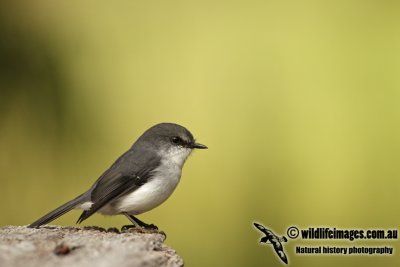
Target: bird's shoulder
point(135, 162)
point(131, 169)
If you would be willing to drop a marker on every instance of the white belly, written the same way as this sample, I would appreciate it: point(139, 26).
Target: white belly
point(149, 195)
point(154, 192)
point(145, 198)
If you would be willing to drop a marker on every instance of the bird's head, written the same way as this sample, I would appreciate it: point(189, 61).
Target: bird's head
point(171, 141)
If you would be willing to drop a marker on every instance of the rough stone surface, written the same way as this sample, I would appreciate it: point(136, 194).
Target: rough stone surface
point(72, 246)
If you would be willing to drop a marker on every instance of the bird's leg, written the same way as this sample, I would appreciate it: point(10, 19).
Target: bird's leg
point(138, 223)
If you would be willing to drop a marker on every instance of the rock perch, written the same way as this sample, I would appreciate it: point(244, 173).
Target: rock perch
point(88, 246)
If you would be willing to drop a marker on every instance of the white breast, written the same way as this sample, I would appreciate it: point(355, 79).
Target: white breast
point(150, 195)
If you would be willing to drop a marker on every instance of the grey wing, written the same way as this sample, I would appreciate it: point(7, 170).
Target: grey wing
point(127, 174)
point(109, 192)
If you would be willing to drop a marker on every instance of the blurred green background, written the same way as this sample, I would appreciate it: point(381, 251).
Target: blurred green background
point(298, 101)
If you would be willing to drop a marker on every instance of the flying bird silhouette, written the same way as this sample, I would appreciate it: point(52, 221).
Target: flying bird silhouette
point(274, 240)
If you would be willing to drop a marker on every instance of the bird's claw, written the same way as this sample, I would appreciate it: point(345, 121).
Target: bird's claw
point(148, 228)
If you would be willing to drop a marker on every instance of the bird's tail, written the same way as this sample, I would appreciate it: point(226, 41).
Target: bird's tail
point(61, 210)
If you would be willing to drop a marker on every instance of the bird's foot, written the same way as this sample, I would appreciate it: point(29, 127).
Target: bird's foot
point(140, 228)
point(127, 228)
point(148, 229)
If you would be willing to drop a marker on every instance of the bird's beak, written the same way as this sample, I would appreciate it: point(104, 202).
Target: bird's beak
point(199, 146)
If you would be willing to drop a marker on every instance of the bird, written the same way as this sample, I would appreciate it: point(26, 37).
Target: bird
point(274, 240)
point(141, 179)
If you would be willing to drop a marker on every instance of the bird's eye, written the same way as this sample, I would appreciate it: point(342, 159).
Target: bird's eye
point(176, 140)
